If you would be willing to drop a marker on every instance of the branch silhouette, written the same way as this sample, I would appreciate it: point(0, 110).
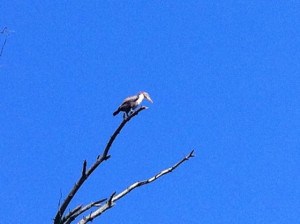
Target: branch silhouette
point(104, 204)
point(59, 219)
point(5, 32)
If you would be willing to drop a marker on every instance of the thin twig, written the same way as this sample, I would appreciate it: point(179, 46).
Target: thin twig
point(4, 31)
point(85, 174)
point(110, 203)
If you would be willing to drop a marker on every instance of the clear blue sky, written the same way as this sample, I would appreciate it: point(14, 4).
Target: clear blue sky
point(223, 75)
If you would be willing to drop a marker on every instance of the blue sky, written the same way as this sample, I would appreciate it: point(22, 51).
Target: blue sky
point(224, 78)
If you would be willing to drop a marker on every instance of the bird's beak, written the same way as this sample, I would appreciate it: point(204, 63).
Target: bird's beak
point(149, 99)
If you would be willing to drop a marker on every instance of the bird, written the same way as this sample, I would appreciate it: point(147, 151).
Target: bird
point(130, 103)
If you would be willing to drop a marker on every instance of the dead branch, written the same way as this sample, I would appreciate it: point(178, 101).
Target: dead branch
point(59, 219)
point(79, 210)
point(113, 198)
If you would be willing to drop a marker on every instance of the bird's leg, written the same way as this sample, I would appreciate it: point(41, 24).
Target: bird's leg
point(131, 111)
point(127, 114)
point(134, 109)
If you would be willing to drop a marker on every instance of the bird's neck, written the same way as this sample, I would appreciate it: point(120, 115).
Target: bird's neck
point(140, 98)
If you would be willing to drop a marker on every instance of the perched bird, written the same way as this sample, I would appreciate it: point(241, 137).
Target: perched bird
point(130, 103)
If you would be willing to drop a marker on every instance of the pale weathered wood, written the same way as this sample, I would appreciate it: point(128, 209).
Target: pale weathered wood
point(113, 198)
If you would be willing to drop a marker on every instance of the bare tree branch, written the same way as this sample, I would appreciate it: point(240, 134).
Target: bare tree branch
point(86, 173)
point(4, 31)
point(79, 210)
point(113, 198)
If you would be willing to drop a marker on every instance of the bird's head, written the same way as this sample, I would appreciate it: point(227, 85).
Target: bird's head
point(147, 97)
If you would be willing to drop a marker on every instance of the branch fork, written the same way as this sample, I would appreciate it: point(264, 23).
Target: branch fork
point(110, 202)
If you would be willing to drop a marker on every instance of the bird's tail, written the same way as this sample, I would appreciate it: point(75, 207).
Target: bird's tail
point(116, 112)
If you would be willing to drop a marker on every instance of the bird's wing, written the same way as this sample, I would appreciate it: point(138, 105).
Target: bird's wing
point(130, 99)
